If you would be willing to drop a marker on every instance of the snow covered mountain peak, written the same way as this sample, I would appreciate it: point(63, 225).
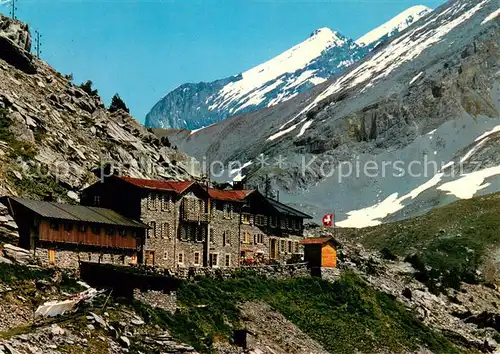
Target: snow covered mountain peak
point(325, 53)
point(394, 25)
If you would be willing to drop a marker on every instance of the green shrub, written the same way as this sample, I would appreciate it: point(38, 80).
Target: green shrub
point(117, 104)
point(87, 87)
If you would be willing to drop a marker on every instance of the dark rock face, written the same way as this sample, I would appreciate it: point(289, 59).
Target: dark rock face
point(16, 56)
point(15, 44)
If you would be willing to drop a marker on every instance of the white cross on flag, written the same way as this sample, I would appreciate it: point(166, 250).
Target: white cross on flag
point(328, 220)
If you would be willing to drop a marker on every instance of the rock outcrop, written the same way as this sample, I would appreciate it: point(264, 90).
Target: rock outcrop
point(55, 137)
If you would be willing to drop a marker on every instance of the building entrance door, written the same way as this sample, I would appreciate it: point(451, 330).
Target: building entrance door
point(150, 258)
point(272, 249)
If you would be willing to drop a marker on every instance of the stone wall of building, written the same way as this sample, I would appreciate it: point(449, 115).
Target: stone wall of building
point(158, 299)
point(160, 211)
point(225, 233)
point(68, 259)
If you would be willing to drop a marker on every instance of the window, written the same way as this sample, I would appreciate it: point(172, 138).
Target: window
point(110, 231)
point(165, 203)
point(82, 228)
point(214, 259)
point(226, 238)
point(274, 221)
point(165, 230)
point(260, 220)
point(152, 201)
point(228, 260)
point(122, 232)
point(245, 218)
point(282, 244)
point(152, 229)
point(96, 230)
point(180, 258)
point(97, 200)
point(122, 259)
point(258, 238)
point(228, 211)
point(165, 255)
point(54, 225)
point(68, 227)
point(246, 237)
point(197, 258)
point(289, 246)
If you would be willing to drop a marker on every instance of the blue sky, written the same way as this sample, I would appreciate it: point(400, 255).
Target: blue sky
point(143, 49)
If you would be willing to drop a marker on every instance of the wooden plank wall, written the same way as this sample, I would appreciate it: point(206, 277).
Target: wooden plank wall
point(87, 238)
point(328, 256)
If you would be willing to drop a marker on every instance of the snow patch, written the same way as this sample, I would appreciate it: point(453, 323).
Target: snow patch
point(470, 183)
point(399, 23)
point(491, 16)
point(304, 127)
point(494, 130)
point(416, 78)
point(371, 216)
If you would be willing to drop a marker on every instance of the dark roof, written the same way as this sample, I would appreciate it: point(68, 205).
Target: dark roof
point(229, 195)
point(77, 213)
point(317, 241)
point(161, 185)
point(287, 210)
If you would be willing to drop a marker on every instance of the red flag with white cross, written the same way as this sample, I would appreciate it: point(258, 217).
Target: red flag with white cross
point(328, 220)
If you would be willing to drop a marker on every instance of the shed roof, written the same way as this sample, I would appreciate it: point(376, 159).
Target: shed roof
point(77, 213)
point(317, 240)
point(161, 185)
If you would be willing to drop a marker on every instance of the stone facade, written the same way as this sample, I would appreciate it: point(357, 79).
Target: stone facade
point(69, 259)
point(176, 237)
point(224, 234)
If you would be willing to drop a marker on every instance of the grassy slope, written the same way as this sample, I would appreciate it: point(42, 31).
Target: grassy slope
point(343, 316)
point(455, 240)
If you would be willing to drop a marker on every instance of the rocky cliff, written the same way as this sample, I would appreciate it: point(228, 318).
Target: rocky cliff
point(53, 134)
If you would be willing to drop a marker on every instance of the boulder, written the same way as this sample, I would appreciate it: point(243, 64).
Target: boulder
point(17, 254)
point(124, 341)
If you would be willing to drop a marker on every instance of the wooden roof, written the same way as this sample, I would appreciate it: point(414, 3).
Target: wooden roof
point(160, 185)
point(317, 240)
point(75, 213)
point(229, 195)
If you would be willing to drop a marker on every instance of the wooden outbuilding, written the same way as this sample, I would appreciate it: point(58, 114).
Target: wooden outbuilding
point(320, 252)
point(70, 230)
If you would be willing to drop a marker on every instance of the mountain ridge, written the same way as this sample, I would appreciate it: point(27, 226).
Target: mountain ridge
point(323, 54)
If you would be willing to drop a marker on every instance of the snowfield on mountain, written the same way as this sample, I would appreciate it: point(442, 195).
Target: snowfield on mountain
point(324, 54)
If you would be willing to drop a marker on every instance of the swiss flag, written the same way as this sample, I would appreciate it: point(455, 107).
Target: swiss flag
point(328, 220)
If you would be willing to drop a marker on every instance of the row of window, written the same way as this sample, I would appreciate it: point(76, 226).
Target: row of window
point(96, 230)
point(161, 202)
point(289, 246)
point(163, 230)
point(214, 259)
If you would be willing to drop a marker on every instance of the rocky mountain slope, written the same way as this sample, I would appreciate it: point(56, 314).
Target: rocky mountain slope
point(423, 109)
point(53, 134)
point(324, 54)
